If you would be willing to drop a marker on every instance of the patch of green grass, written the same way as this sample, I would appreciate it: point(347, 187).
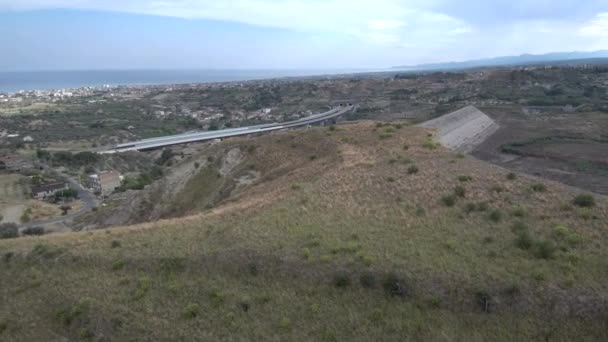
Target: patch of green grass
point(431, 145)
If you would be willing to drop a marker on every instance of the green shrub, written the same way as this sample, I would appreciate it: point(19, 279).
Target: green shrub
point(68, 315)
point(518, 212)
point(519, 227)
point(394, 286)
point(539, 187)
point(367, 280)
point(584, 201)
point(497, 188)
point(511, 176)
point(544, 249)
point(431, 145)
point(118, 265)
point(448, 200)
point(484, 300)
point(470, 207)
point(465, 178)
point(413, 169)
point(341, 279)
point(524, 240)
point(482, 206)
point(115, 244)
point(35, 231)
point(191, 311)
point(460, 191)
point(495, 215)
point(8, 231)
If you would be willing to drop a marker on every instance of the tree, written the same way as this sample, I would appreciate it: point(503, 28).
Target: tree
point(8, 231)
point(65, 209)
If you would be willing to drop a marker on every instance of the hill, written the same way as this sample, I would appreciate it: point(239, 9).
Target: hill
point(360, 232)
point(554, 57)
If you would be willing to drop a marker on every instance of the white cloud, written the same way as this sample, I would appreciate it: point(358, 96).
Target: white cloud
point(381, 21)
point(385, 24)
point(597, 26)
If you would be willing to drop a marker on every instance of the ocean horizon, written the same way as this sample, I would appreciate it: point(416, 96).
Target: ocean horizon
point(14, 81)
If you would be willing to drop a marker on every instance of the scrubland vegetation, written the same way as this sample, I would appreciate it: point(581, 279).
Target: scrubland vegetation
point(328, 249)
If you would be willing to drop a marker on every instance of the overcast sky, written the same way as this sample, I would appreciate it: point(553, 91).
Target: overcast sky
point(318, 34)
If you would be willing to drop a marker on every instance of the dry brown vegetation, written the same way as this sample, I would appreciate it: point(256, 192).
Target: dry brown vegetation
point(335, 240)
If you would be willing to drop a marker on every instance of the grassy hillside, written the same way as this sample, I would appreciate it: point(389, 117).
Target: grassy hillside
point(377, 234)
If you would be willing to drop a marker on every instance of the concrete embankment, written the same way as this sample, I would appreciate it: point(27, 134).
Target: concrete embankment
point(464, 129)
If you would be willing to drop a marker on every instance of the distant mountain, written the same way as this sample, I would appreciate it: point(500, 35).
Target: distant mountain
point(510, 60)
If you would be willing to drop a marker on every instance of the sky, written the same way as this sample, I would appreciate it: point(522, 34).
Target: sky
point(288, 34)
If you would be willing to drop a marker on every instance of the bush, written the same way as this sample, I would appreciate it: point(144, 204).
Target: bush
point(518, 212)
point(459, 191)
point(584, 201)
point(191, 311)
point(495, 215)
point(33, 231)
point(470, 207)
point(483, 299)
point(367, 280)
point(482, 206)
point(394, 286)
point(539, 187)
point(8, 231)
point(511, 176)
point(341, 280)
point(544, 249)
point(115, 244)
point(465, 178)
point(413, 169)
point(524, 240)
point(448, 200)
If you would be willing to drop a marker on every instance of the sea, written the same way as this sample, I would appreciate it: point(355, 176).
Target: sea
point(15, 81)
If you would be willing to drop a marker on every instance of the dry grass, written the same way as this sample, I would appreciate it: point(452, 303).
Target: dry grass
point(264, 265)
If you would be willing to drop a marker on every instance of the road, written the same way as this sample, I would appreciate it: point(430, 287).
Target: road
point(211, 135)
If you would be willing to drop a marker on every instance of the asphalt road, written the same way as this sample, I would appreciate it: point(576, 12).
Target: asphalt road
point(211, 135)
